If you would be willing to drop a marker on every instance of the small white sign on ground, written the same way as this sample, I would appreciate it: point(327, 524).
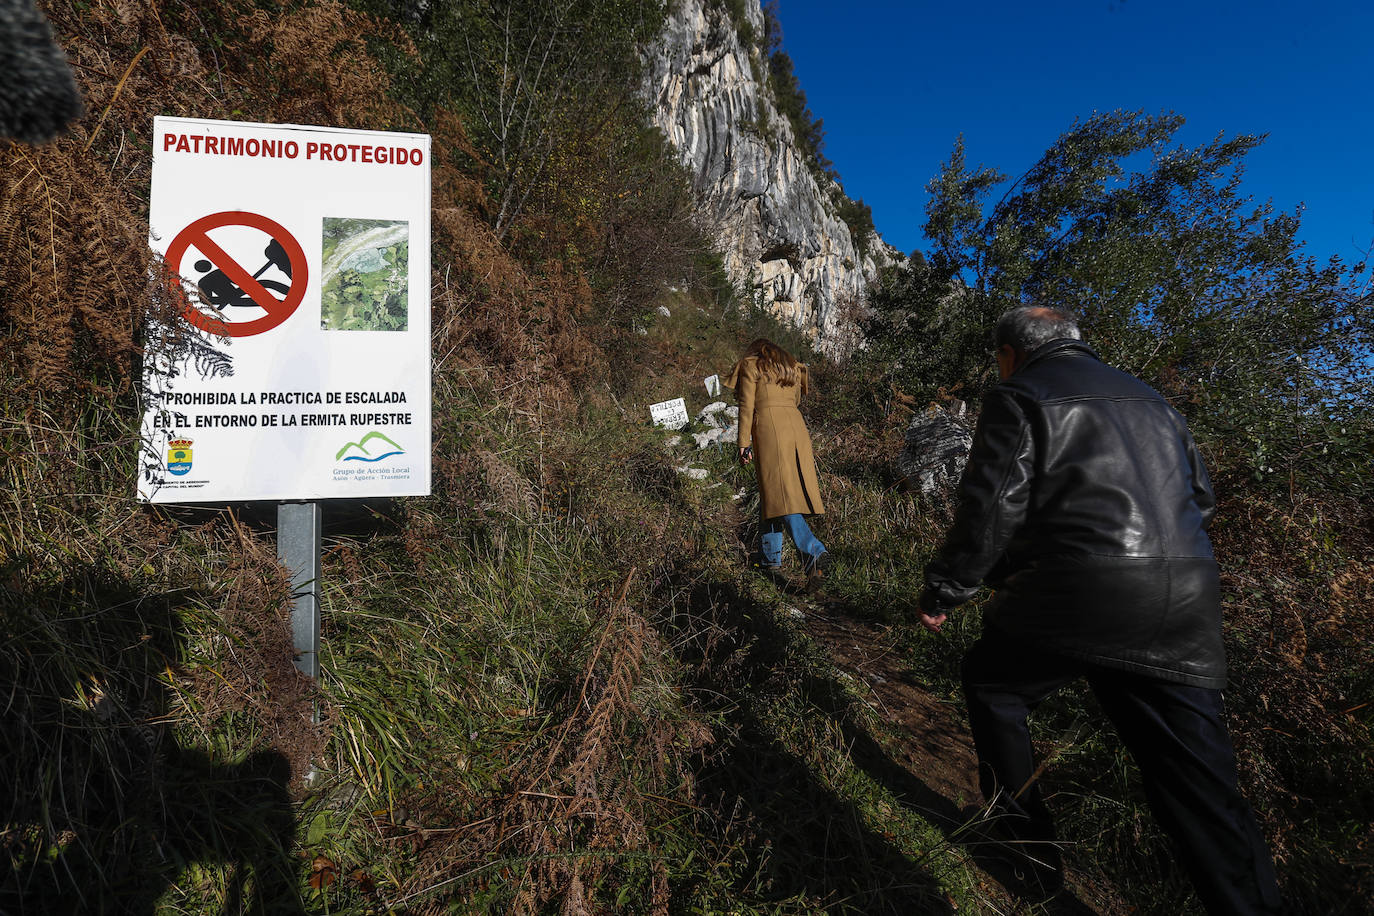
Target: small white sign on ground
point(304, 369)
point(713, 386)
point(671, 414)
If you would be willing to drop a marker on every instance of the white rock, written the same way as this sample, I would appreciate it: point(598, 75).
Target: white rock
point(694, 473)
point(716, 436)
point(776, 222)
point(937, 443)
point(663, 310)
point(721, 424)
point(713, 418)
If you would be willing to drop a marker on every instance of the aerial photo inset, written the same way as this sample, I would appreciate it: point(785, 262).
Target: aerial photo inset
point(365, 274)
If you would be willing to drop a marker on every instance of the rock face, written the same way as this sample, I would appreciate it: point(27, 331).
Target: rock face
point(777, 224)
point(937, 445)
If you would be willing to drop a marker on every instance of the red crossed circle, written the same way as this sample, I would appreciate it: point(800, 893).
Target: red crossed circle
point(278, 310)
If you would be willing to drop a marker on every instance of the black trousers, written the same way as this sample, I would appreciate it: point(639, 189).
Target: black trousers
point(1175, 733)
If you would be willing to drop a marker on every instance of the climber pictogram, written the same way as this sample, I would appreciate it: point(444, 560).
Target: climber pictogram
point(243, 300)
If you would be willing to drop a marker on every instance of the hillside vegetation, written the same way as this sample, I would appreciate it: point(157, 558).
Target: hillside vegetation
point(555, 686)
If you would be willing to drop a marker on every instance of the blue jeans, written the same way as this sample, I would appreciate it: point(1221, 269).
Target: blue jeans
point(771, 541)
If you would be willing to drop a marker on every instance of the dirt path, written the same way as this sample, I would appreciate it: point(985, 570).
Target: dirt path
point(934, 740)
point(927, 757)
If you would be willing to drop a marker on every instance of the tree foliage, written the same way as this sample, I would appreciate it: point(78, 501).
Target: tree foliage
point(807, 129)
point(858, 216)
point(1175, 275)
point(550, 144)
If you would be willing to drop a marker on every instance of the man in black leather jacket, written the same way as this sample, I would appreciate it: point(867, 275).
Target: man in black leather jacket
point(1084, 506)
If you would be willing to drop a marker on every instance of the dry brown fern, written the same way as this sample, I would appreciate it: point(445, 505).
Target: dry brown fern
point(72, 270)
point(318, 57)
point(590, 806)
point(512, 491)
point(254, 670)
point(577, 809)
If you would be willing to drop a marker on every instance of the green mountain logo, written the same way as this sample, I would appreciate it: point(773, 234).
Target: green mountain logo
point(381, 447)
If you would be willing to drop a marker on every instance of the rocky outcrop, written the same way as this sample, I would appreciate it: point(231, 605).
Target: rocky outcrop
point(779, 233)
point(936, 447)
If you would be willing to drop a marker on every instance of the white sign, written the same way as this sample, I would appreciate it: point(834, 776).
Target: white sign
point(713, 385)
point(672, 414)
point(304, 256)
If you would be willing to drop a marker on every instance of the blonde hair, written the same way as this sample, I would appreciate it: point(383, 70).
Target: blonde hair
point(775, 363)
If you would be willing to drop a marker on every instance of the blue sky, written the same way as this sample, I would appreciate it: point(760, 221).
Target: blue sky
point(896, 83)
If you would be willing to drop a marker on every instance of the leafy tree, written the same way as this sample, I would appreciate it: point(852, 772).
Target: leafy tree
point(1174, 274)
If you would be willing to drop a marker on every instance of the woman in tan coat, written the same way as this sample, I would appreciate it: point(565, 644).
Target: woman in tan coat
point(769, 384)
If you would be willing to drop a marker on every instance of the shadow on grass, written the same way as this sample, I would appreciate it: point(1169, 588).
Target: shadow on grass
point(804, 840)
point(964, 826)
point(102, 809)
point(960, 826)
point(811, 842)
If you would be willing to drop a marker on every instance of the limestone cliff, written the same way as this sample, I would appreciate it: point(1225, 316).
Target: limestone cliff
point(776, 221)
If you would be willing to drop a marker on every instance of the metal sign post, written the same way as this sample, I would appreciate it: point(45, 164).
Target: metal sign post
point(298, 548)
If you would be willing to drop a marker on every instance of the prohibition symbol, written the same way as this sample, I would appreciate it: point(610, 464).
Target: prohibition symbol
point(228, 283)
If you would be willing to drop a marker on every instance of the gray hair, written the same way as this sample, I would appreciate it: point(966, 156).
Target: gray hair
point(1028, 327)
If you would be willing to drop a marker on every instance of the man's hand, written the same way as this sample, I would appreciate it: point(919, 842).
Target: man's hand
point(746, 454)
point(932, 615)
